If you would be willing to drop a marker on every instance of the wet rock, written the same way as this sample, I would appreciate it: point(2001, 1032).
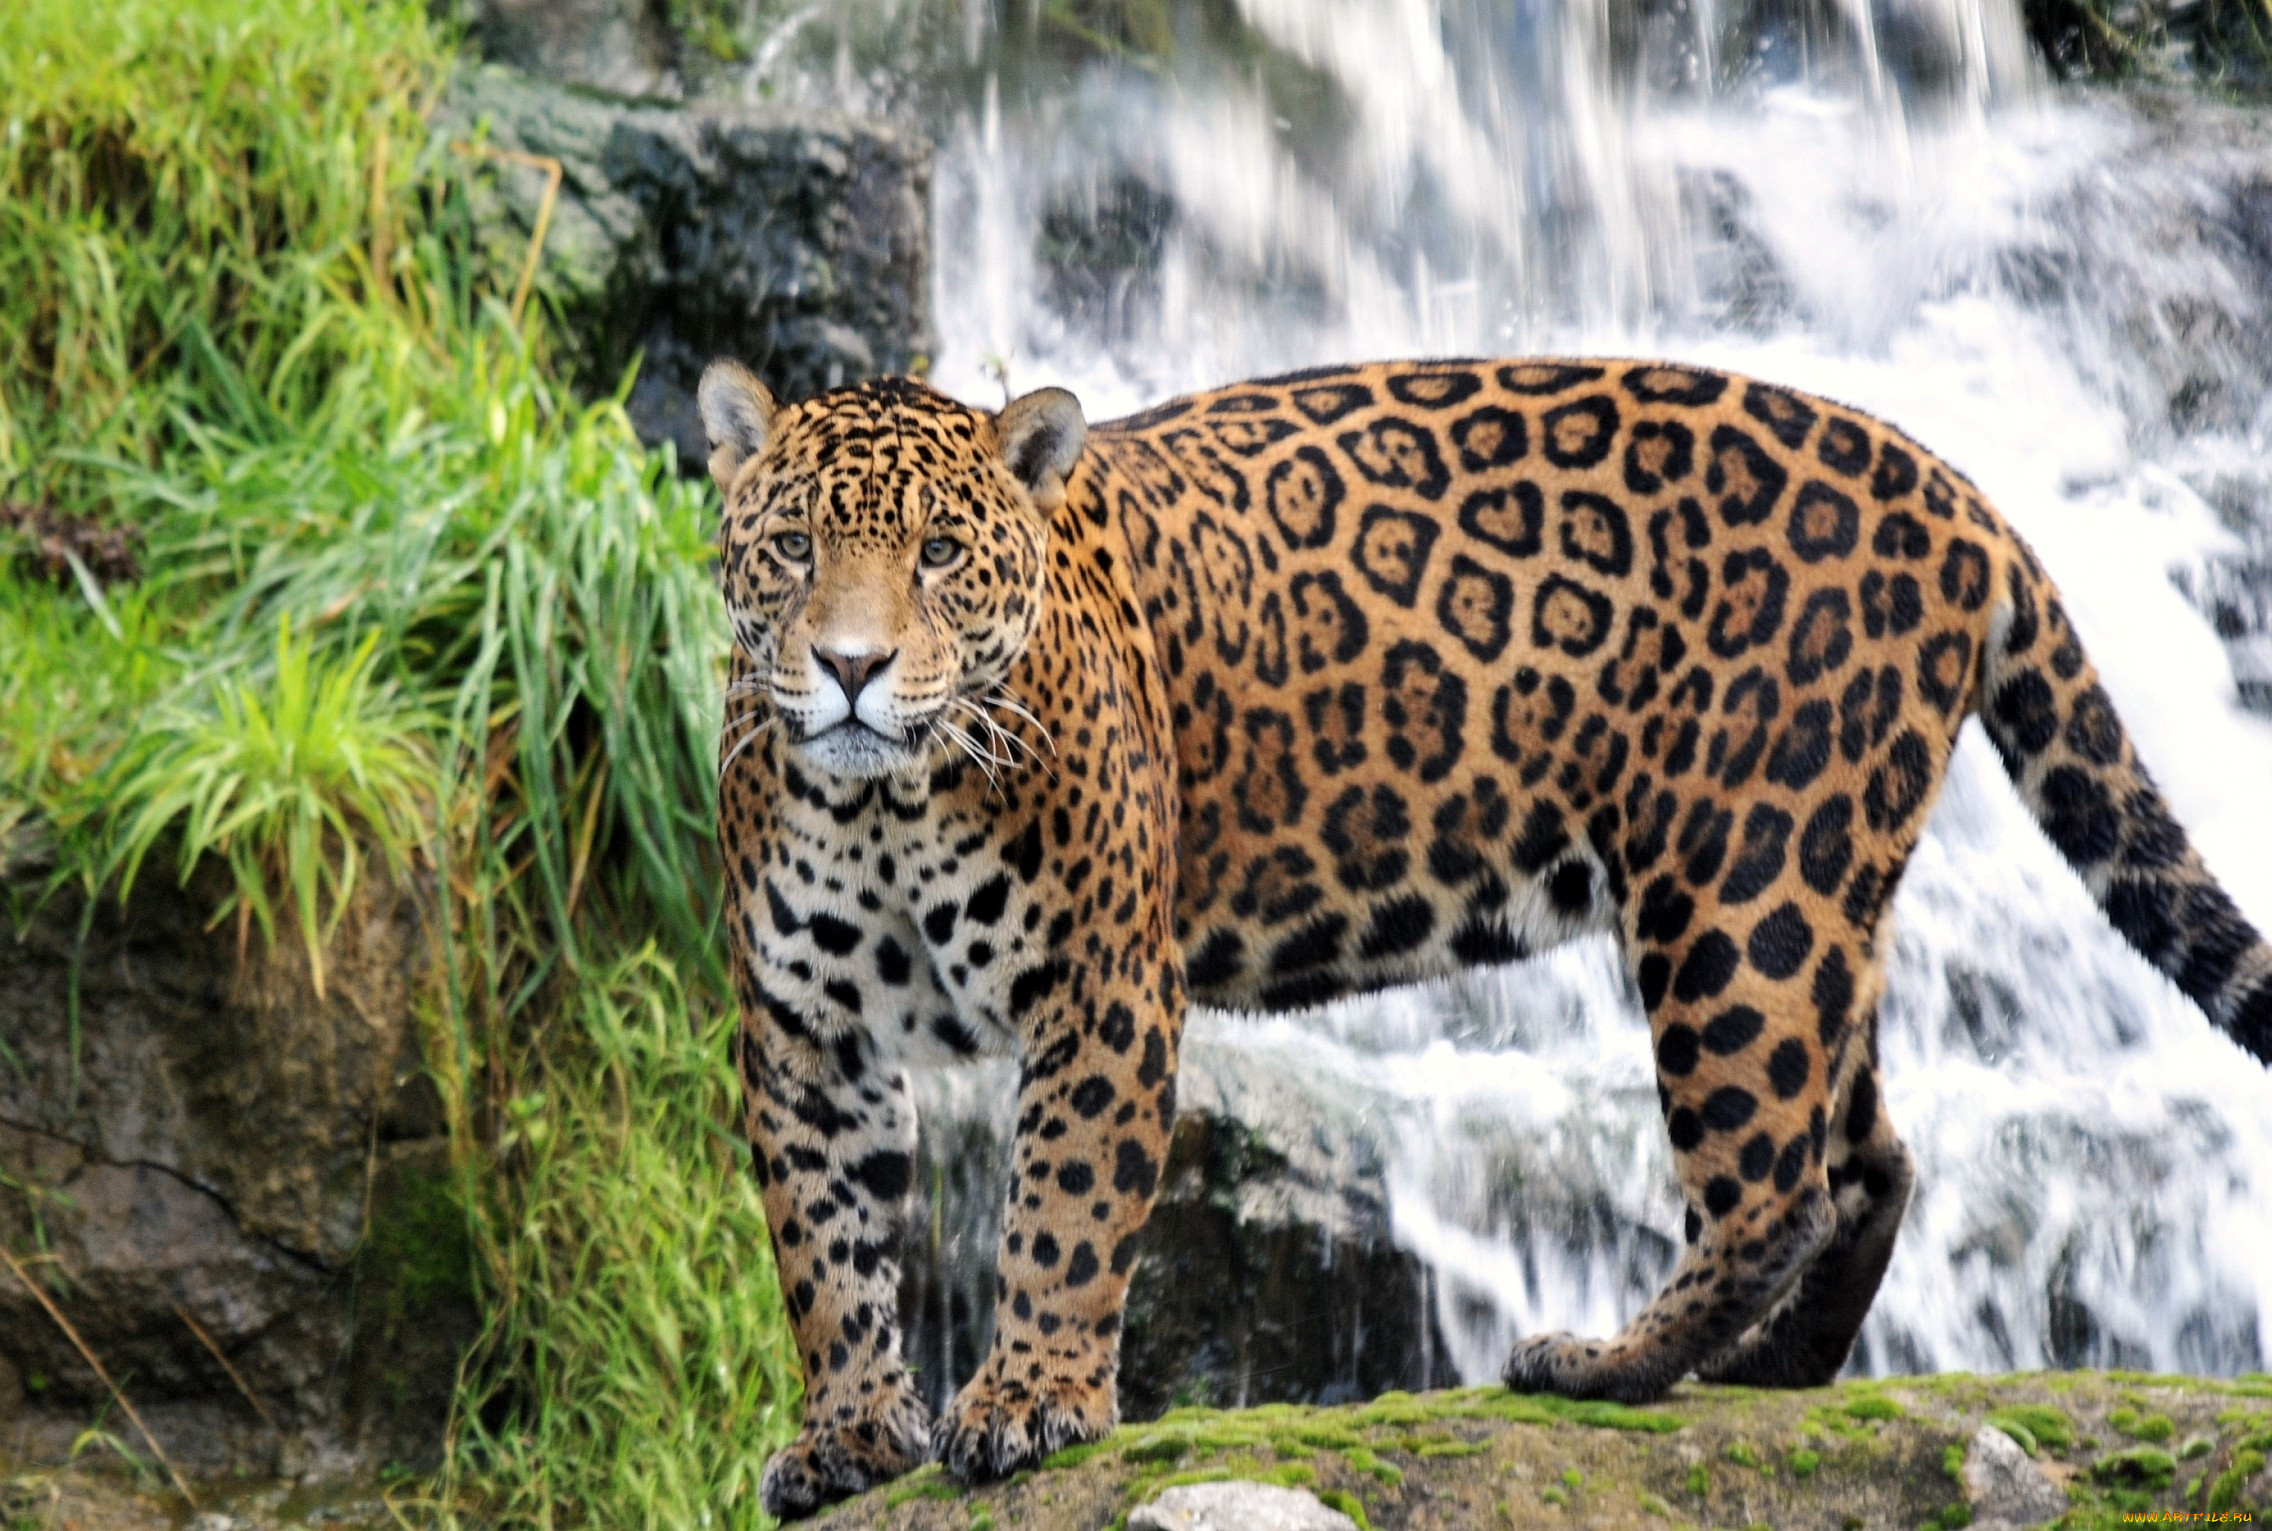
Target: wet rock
point(796, 241)
point(1236, 1507)
point(1100, 252)
point(236, 1192)
point(628, 47)
point(1269, 1271)
point(2004, 1485)
point(1741, 286)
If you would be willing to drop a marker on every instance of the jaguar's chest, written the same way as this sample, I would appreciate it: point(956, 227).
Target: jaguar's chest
point(910, 919)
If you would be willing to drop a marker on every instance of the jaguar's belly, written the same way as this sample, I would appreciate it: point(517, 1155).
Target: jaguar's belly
point(1281, 940)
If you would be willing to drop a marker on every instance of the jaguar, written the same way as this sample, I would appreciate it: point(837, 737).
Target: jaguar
point(1361, 676)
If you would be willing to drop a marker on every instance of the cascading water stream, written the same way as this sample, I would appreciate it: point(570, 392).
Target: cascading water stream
point(2065, 295)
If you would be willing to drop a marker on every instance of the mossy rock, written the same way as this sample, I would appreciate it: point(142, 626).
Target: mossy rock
point(1885, 1453)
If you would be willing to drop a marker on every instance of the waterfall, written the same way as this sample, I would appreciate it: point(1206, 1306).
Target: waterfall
point(2068, 294)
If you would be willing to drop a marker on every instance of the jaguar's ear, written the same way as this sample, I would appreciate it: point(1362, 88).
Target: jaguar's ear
point(737, 416)
point(1041, 436)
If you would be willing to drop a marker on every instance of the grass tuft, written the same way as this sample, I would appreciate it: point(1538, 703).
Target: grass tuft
point(285, 777)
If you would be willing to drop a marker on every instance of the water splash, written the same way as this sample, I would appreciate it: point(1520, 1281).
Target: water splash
point(1873, 200)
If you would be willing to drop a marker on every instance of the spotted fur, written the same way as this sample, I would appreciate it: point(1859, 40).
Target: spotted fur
point(1351, 678)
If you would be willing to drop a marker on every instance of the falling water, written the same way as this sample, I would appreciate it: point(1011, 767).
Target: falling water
point(2068, 295)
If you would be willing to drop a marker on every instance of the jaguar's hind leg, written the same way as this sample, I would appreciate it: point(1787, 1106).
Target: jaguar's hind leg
point(1808, 1337)
point(1743, 1076)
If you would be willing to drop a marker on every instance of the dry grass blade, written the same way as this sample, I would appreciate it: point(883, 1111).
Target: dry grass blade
point(554, 173)
point(214, 1351)
point(39, 1295)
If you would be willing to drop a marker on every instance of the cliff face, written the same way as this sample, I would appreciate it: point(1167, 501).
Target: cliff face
point(2078, 1449)
point(236, 1192)
point(797, 242)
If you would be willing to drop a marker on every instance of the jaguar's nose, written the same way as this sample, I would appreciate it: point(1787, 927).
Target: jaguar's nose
point(853, 671)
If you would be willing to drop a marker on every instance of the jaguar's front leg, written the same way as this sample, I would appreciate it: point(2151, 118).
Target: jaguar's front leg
point(832, 1135)
point(1096, 1100)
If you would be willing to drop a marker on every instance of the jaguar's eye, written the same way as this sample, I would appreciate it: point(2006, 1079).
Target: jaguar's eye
point(938, 552)
point(794, 546)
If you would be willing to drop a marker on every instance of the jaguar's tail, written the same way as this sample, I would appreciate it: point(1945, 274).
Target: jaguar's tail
point(2075, 767)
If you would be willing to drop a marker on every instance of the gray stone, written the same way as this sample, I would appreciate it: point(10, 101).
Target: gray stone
point(1236, 1507)
point(212, 1159)
point(625, 46)
point(797, 242)
point(2003, 1484)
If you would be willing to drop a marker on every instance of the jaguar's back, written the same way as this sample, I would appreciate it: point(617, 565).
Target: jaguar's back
point(1464, 655)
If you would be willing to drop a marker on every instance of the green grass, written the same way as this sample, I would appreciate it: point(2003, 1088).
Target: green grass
point(285, 777)
point(406, 604)
point(191, 179)
point(636, 1363)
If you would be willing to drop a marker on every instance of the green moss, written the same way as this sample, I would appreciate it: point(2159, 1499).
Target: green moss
point(2154, 1428)
point(982, 1519)
point(1072, 1456)
point(2034, 1424)
point(1952, 1462)
point(1228, 1437)
point(1603, 1415)
point(2198, 1446)
point(2140, 1467)
point(1875, 1406)
point(1699, 1480)
point(927, 1482)
point(1348, 1504)
point(1398, 1409)
point(1365, 1462)
point(1805, 1462)
point(1743, 1454)
point(1954, 1517)
point(1573, 1479)
point(1450, 1449)
point(1833, 1420)
point(418, 1254)
point(1655, 1506)
point(1158, 1448)
point(2225, 1493)
point(1554, 1496)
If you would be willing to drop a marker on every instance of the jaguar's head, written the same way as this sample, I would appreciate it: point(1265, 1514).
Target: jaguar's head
point(882, 556)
